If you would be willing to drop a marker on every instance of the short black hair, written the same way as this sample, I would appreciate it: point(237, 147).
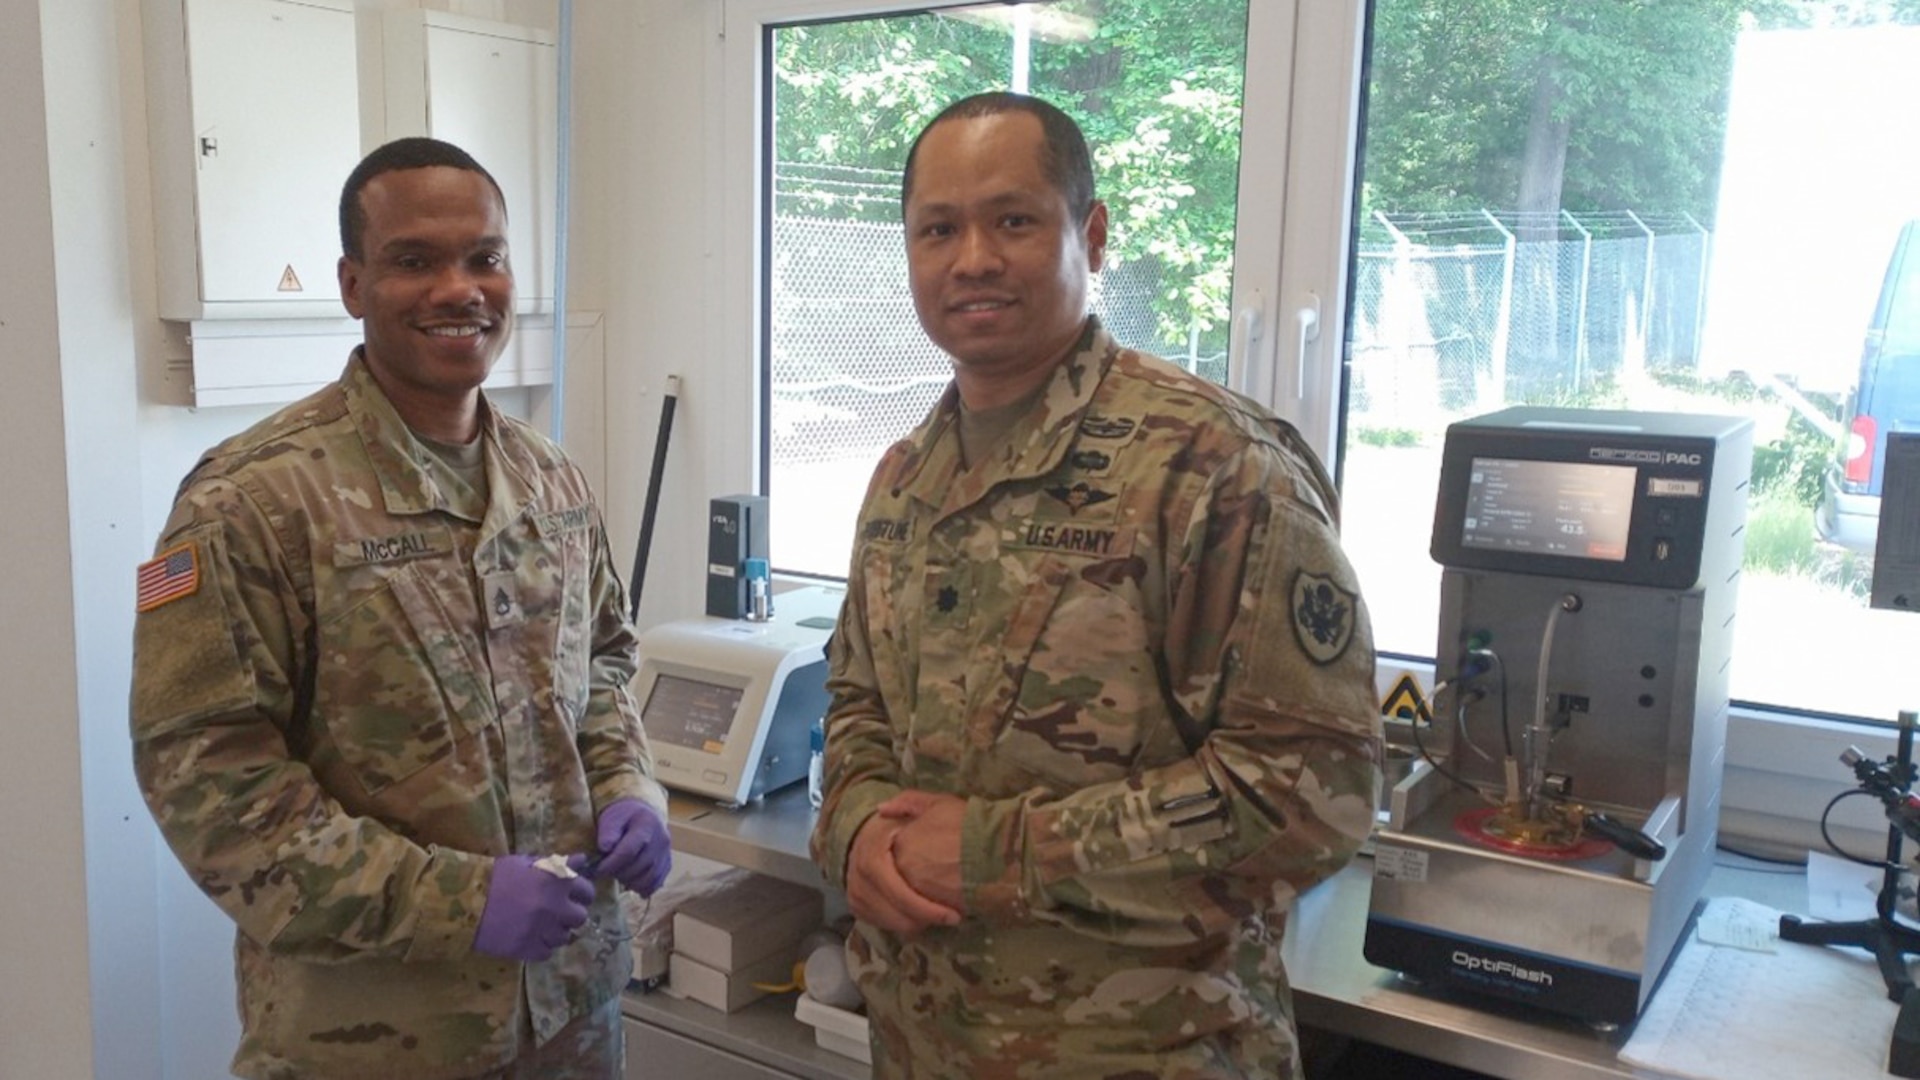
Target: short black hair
point(1065, 160)
point(413, 152)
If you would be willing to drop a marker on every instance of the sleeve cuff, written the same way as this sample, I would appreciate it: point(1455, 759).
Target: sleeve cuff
point(630, 784)
point(452, 894)
point(992, 867)
point(833, 837)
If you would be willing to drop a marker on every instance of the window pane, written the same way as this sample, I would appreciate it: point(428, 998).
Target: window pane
point(1156, 87)
point(1697, 207)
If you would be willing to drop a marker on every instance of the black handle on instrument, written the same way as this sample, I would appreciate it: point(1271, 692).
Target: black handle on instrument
point(1630, 840)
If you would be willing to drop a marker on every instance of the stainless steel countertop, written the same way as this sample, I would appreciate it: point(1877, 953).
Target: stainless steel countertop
point(769, 836)
point(1333, 985)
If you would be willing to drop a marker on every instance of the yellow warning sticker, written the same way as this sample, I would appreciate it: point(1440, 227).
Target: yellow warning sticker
point(1406, 702)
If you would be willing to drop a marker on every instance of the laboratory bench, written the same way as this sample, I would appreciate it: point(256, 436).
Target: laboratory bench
point(670, 1037)
point(1334, 988)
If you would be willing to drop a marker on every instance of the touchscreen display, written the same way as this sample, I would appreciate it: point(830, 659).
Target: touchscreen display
point(690, 713)
point(1564, 508)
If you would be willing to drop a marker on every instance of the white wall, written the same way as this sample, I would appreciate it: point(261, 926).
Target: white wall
point(45, 1024)
point(116, 965)
point(94, 271)
point(646, 68)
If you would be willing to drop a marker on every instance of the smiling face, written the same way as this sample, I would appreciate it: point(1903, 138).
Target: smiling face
point(999, 267)
point(434, 293)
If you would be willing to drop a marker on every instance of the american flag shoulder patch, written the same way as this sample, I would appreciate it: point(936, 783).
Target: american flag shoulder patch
point(170, 575)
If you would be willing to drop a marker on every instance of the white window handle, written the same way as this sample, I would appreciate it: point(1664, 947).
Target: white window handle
point(1308, 320)
point(1240, 347)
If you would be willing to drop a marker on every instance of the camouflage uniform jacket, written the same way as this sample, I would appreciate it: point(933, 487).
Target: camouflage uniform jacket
point(1131, 641)
point(356, 698)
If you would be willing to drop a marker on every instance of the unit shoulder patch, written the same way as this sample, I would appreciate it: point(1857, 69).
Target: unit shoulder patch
point(1323, 616)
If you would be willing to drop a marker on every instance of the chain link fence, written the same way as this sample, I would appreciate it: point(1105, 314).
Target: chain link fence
point(1466, 311)
point(1474, 311)
point(851, 369)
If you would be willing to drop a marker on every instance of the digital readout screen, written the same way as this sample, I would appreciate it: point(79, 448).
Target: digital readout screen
point(690, 713)
point(1562, 508)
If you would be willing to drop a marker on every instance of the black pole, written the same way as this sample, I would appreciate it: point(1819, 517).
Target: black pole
point(654, 477)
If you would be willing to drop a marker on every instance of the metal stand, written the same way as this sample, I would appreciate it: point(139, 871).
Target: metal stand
point(1886, 938)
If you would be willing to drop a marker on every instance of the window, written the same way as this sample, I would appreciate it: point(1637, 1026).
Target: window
point(1158, 90)
point(1688, 206)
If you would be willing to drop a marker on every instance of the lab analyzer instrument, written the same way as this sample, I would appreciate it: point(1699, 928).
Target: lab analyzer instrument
point(727, 703)
point(1550, 844)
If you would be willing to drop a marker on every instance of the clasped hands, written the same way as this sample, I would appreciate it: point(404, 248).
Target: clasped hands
point(531, 910)
point(903, 871)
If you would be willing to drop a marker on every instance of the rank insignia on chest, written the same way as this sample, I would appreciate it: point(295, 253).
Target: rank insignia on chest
point(501, 596)
point(1323, 616)
point(947, 599)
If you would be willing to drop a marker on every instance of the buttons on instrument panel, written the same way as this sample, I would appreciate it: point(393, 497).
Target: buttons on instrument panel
point(713, 776)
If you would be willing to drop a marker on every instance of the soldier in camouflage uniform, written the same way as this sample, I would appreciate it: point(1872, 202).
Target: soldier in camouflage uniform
point(1103, 684)
point(381, 667)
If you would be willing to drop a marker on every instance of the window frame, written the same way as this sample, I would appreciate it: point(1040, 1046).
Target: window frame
point(1781, 765)
point(1301, 130)
point(1258, 249)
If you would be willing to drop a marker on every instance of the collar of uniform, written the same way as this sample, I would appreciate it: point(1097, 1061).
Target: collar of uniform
point(935, 459)
point(406, 487)
point(510, 463)
point(1042, 438)
point(1034, 446)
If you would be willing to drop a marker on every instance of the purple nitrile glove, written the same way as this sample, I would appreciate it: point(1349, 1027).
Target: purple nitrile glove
point(529, 911)
point(635, 849)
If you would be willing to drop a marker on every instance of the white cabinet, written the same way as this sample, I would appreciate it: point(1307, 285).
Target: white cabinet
point(254, 123)
point(491, 89)
point(258, 109)
point(654, 1052)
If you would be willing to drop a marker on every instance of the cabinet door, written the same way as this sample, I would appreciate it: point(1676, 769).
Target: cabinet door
point(654, 1053)
point(492, 91)
point(276, 130)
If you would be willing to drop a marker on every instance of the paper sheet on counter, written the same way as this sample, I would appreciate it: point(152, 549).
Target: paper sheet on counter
point(1841, 890)
point(1735, 1012)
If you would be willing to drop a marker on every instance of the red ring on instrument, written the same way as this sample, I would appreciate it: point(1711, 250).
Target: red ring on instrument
point(1472, 825)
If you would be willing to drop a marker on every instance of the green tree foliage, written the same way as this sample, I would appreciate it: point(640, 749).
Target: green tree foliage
point(850, 96)
point(1542, 106)
point(1605, 104)
point(1512, 105)
point(1156, 85)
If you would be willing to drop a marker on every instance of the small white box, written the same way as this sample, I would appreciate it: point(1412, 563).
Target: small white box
point(650, 920)
point(745, 921)
point(728, 991)
point(835, 1030)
